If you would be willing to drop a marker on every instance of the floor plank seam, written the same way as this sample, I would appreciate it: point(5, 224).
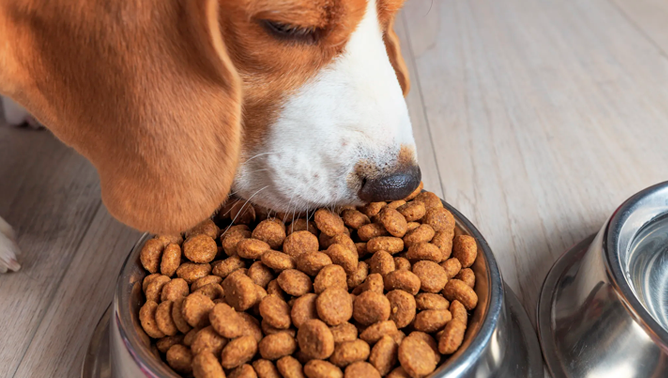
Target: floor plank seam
point(56, 287)
point(419, 91)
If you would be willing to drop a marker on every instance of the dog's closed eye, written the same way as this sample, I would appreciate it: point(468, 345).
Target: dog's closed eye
point(289, 32)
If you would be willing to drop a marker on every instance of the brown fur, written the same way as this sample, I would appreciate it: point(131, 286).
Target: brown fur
point(151, 91)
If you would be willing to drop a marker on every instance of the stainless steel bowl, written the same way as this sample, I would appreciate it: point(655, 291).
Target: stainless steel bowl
point(603, 309)
point(499, 342)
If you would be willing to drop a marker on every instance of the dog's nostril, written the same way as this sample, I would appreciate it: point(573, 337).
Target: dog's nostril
point(392, 187)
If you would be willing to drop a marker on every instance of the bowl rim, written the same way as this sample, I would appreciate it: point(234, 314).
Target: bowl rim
point(616, 241)
point(454, 366)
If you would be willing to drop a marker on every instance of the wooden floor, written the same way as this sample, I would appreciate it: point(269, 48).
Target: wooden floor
point(535, 118)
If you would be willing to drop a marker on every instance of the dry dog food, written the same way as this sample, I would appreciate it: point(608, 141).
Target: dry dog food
point(383, 290)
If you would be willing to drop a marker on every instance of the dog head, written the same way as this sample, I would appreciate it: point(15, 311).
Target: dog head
point(293, 104)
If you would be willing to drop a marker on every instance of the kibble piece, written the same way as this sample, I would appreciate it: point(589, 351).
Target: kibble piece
point(345, 240)
point(174, 289)
point(412, 211)
point(273, 347)
point(430, 321)
point(200, 283)
point(396, 204)
point(226, 321)
point(240, 291)
point(361, 369)
point(459, 311)
point(300, 242)
point(384, 355)
point(163, 318)
point(251, 326)
point(190, 336)
point(459, 290)
point(167, 342)
point(273, 288)
point(424, 251)
point(428, 301)
point(452, 337)
point(265, 369)
point(370, 231)
point(325, 241)
point(361, 249)
point(372, 209)
point(398, 372)
point(226, 267)
point(402, 263)
point(251, 248)
point(443, 240)
point(169, 239)
point(154, 288)
point(358, 276)
point(389, 244)
point(412, 226)
point(373, 282)
point(322, 369)
point(376, 331)
point(200, 248)
point(232, 237)
point(180, 358)
point(465, 275)
point(334, 306)
point(402, 280)
point(304, 309)
point(177, 316)
point(354, 219)
point(328, 222)
point(382, 263)
point(465, 250)
point(260, 274)
point(343, 256)
point(150, 255)
point(205, 227)
point(432, 276)
point(415, 193)
point(439, 219)
point(371, 307)
point(430, 341)
point(243, 371)
point(302, 225)
point(191, 272)
point(278, 261)
point(148, 279)
point(393, 221)
point(452, 267)
point(213, 291)
point(289, 367)
point(311, 262)
point(271, 232)
point(238, 351)
point(347, 352)
point(171, 259)
point(294, 282)
point(276, 312)
point(147, 320)
point(315, 339)
point(402, 307)
point(196, 308)
point(205, 365)
point(344, 332)
point(429, 200)
point(243, 213)
point(268, 329)
point(415, 356)
point(207, 340)
point(331, 276)
point(422, 234)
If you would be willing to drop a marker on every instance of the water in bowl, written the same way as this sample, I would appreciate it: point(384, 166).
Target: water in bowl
point(648, 268)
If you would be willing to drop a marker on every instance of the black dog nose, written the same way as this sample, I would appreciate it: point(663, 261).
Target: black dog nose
point(395, 186)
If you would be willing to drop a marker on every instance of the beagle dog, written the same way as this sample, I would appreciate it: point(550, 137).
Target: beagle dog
point(292, 104)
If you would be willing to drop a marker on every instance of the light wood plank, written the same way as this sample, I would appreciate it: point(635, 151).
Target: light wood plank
point(49, 194)
point(86, 290)
point(421, 133)
point(650, 17)
point(548, 114)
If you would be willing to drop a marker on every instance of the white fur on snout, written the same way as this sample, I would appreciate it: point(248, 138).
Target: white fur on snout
point(9, 250)
point(353, 111)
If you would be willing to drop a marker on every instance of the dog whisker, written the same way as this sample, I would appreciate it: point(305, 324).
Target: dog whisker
point(244, 206)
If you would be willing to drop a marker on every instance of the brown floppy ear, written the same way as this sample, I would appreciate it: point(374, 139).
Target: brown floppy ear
point(394, 52)
point(146, 91)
